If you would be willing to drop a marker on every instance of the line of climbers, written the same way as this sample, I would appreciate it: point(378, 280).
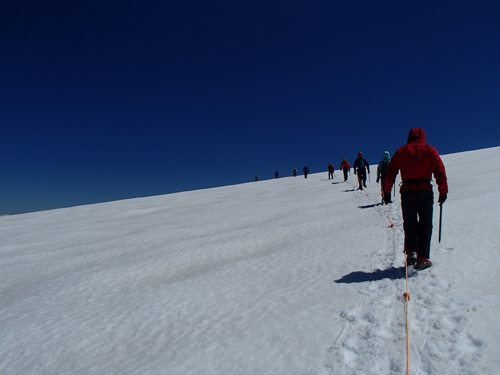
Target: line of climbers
point(418, 163)
point(305, 170)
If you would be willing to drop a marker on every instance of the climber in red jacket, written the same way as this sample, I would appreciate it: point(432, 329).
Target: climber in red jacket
point(417, 162)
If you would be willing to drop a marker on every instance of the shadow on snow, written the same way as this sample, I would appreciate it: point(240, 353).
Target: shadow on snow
point(392, 273)
point(370, 206)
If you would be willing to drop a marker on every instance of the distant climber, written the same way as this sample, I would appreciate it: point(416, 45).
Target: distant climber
point(331, 169)
point(360, 168)
point(346, 168)
point(382, 170)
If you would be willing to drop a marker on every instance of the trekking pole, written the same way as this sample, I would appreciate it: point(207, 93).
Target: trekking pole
point(440, 219)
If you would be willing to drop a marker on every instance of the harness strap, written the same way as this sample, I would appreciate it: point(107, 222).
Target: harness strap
point(412, 181)
point(416, 182)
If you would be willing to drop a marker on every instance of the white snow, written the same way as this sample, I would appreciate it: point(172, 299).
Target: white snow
point(285, 276)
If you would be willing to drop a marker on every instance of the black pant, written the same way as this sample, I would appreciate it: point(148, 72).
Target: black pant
point(330, 173)
point(345, 170)
point(361, 178)
point(382, 183)
point(417, 206)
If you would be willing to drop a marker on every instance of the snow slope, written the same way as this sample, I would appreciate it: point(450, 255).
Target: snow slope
point(286, 276)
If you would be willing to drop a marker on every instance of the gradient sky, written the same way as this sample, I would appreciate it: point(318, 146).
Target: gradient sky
point(106, 100)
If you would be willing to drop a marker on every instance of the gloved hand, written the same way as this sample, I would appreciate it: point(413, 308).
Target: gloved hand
point(387, 198)
point(442, 198)
point(377, 180)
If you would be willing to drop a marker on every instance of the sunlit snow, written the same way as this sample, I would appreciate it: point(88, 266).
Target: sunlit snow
point(284, 276)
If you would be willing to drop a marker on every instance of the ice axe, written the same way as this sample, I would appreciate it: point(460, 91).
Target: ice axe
point(440, 219)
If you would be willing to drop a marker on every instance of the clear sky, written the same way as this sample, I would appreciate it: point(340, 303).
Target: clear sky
point(106, 100)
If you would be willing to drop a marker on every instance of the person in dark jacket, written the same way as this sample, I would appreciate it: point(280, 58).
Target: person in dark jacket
point(276, 174)
point(382, 170)
point(294, 171)
point(346, 168)
point(331, 169)
point(417, 162)
point(306, 171)
point(360, 168)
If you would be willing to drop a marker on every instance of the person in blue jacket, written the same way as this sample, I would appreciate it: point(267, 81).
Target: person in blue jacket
point(382, 170)
point(360, 168)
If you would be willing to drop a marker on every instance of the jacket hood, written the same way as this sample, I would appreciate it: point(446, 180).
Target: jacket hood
point(416, 135)
point(386, 156)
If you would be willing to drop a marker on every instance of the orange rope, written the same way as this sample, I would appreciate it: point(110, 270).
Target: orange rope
point(406, 296)
point(392, 224)
point(389, 216)
point(407, 299)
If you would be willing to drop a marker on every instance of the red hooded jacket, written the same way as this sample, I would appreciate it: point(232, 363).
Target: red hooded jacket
point(417, 162)
point(345, 164)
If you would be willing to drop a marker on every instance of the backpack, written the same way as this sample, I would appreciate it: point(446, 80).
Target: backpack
point(383, 166)
point(361, 164)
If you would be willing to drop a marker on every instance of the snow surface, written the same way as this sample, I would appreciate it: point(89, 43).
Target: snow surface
point(285, 276)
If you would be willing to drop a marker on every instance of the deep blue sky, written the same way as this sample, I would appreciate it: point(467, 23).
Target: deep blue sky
point(105, 100)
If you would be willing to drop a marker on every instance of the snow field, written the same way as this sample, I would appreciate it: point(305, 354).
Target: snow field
point(286, 276)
